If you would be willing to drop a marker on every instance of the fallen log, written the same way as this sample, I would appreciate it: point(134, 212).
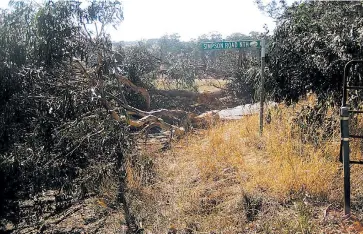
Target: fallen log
point(147, 119)
point(136, 89)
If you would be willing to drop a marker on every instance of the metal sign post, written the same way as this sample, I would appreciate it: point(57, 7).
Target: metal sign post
point(262, 84)
point(245, 44)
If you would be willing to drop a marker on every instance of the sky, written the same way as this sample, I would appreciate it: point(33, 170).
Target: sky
point(145, 19)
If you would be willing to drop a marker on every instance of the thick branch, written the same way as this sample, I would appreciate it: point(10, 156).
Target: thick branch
point(148, 118)
point(136, 89)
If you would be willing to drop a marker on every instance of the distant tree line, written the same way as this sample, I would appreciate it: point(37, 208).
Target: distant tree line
point(183, 62)
point(306, 52)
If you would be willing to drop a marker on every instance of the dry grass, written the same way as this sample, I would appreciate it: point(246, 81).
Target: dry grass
point(200, 85)
point(210, 85)
point(228, 179)
point(92, 215)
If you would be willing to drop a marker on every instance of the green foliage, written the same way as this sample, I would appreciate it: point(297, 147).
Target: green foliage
point(54, 132)
point(246, 80)
point(137, 62)
point(310, 46)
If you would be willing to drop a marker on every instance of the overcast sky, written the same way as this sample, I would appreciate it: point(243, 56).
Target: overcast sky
point(146, 19)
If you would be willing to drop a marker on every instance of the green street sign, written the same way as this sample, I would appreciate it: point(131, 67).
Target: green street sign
point(230, 45)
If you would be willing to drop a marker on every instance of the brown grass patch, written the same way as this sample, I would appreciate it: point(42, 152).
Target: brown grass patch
point(200, 85)
point(229, 179)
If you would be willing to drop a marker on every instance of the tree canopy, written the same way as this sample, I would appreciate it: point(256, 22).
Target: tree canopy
point(54, 130)
point(310, 46)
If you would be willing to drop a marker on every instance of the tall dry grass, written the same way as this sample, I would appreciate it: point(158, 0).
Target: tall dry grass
point(224, 178)
point(282, 162)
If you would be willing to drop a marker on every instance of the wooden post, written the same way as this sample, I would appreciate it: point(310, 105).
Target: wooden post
point(262, 84)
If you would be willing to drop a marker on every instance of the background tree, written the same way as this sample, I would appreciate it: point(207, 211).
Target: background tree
point(310, 46)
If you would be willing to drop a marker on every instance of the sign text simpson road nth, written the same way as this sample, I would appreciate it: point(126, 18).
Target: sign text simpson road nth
point(230, 45)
